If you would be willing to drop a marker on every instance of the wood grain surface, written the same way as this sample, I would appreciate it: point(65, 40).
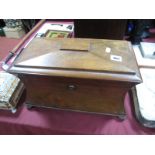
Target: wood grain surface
point(78, 74)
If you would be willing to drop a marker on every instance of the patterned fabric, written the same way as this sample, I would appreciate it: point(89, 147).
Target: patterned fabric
point(8, 85)
point(12, 23)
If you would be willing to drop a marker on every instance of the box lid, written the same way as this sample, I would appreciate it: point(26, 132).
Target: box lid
point(75, 57)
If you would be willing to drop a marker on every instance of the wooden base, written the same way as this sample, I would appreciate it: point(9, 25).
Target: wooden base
point(30, 106)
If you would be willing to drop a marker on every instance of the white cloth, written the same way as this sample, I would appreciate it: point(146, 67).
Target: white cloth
point(146, 94)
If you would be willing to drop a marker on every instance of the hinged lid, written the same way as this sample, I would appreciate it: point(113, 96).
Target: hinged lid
point(77, 55)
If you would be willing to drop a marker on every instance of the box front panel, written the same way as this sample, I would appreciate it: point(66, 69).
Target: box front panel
point(76, 94)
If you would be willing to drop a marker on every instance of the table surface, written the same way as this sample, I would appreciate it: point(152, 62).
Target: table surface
point(51, 121)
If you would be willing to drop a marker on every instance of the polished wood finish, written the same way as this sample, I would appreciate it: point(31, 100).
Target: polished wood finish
point(57, 55)
point(76, 94)
point(23, 40)
point(77, 74)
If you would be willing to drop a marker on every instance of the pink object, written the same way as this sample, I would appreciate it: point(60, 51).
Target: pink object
point(7, 44)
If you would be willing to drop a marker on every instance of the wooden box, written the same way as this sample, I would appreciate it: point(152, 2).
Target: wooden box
point(89, 75)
